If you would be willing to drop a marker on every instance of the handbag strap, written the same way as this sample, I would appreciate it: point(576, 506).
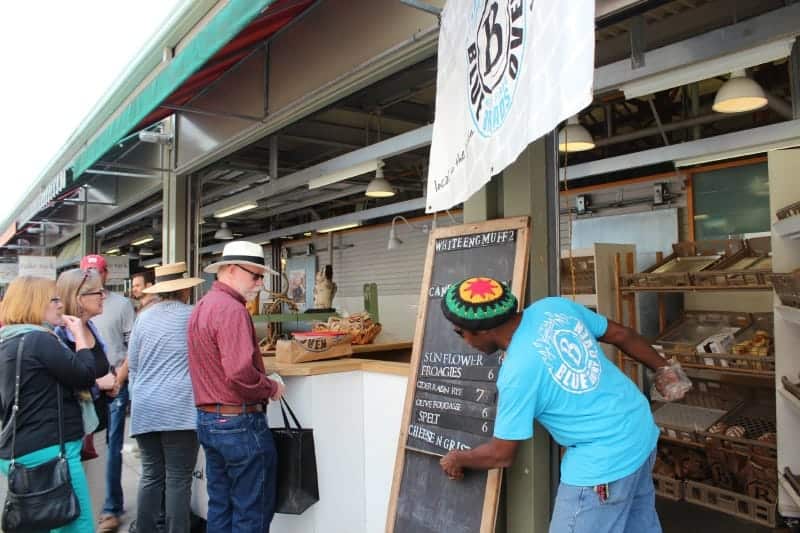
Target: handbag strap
point(285, 418)
point(15, 409)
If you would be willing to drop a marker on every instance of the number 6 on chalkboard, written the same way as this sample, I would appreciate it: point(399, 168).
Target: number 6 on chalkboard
point(485, 412)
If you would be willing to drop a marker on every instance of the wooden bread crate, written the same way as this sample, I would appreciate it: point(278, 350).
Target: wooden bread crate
point(668, 487)
point(732, 503)
point(675, 270)
point(750, 266)
point(787, 287)
point(788, 211)
point(584, 275)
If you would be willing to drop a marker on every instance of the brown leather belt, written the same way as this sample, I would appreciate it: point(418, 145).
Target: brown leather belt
point(231, 409)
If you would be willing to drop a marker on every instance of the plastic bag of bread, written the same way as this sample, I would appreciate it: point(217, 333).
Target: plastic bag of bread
point(670, 382)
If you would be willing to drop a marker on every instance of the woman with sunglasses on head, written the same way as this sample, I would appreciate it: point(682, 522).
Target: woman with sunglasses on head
point(30, 311)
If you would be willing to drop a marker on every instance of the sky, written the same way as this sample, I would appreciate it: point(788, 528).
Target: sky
point(58, 58)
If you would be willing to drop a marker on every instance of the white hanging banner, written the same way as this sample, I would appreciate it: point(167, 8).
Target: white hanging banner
point(509, 71)
point(118, 266)
point(40, 266)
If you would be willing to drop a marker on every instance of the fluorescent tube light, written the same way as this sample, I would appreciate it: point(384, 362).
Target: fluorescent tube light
point(241, 208)
point(339, 228)
point(113, 251)
point(141, 240)
point(343, 174)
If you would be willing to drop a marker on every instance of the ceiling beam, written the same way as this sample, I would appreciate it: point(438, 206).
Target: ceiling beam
point(398, 144)
point(358, 216)
point(779, 24)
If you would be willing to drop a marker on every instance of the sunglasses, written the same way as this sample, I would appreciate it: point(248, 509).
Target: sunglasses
point(80, 286)
point(256, 275)
point(100, 292)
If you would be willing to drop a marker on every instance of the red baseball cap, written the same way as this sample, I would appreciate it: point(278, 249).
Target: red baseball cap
point(94, 261)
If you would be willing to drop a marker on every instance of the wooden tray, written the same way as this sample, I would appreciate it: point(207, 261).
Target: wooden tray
point(787, 287)
point(676, 270)
point(788, 211)
point(749, 266)
point(683, 335)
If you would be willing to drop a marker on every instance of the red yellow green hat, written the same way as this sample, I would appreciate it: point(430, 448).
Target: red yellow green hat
point(479, 303)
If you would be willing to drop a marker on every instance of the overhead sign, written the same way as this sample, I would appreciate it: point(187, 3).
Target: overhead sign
point(40, 266)
point(509, 71)
point(8, 271)
point(118, 266)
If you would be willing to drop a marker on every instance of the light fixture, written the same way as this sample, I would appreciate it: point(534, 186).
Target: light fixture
point(739, 94)
point(113, 251)
point(153, 265)
point(141, 240)
point(223, 233)
point(155, 137)
point(340, 227)
point(308, 234)
point(379, 187)
point(146, 250)
point(343, 174)
point(241, 208)
point(573, 137)
point(394, 241)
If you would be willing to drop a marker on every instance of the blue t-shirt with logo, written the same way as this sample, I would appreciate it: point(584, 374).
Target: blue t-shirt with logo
point(555, 371)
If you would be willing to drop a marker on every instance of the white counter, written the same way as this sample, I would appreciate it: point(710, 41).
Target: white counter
point(355, 409)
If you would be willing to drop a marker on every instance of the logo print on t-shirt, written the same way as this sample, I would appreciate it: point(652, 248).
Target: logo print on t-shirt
point(570, 353)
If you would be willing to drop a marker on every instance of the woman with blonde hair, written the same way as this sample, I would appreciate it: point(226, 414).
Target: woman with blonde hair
point(29, 311)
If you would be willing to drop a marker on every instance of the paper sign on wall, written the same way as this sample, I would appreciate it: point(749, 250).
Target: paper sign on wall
point(508, 72)
point(41, 266)
point(118, 266)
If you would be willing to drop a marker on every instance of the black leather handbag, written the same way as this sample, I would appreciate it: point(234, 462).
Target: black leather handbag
point(39, 497)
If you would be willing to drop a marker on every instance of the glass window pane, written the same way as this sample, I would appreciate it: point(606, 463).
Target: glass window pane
point(731, 201)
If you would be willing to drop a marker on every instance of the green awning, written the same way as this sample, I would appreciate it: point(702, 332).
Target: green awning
point(230, 20)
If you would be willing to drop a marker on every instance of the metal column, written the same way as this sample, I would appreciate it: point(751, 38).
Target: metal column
point(175, 220)
point(530, 187)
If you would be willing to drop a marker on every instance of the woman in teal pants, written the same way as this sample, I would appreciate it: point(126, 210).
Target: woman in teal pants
point(29, 311)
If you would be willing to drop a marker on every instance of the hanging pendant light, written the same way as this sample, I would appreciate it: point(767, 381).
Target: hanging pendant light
point(739, 94)
point(379, 187)
point(574, 137)
point(223, 233)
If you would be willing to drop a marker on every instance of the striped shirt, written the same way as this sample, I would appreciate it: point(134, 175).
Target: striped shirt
point(158, 355)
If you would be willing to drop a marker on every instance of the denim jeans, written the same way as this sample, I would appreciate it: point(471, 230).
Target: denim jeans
point(117, 409)
point(241, 467)
point(630, 506)
point(168, 460)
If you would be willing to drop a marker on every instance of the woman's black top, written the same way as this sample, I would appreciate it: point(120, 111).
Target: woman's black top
point(45, 363)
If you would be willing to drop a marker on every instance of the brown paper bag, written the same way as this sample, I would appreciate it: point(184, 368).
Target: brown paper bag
point(313, 347)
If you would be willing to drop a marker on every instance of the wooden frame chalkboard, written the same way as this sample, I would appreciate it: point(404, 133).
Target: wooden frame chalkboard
point(451, 394)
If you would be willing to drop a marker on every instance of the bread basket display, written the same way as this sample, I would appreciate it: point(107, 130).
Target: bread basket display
point(360, 326)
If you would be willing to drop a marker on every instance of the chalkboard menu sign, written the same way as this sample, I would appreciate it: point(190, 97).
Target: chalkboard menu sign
point(451, 398)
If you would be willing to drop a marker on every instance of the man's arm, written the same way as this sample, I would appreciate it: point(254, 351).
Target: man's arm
point(632, 344)
point(497, 453)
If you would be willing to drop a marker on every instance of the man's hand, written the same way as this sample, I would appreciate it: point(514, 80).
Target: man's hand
point(671, 381)
point(451, 466)
point(277, 394)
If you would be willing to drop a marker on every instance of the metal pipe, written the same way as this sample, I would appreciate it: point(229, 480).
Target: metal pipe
point(646, 132)
point(423, 6)
point(658, 121)
point(146, 212)
point(122, 174)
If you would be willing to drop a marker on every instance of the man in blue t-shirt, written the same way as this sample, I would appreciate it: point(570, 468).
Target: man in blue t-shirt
point(554, 371)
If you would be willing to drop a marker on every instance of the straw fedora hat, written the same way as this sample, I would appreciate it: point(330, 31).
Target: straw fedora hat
point(241, 253)
point(171, 278)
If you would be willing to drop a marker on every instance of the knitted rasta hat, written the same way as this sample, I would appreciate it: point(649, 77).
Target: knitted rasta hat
point(480, 303)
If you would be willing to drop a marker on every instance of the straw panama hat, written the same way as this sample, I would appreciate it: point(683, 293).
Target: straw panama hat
point(241, 253)
point(171, 278)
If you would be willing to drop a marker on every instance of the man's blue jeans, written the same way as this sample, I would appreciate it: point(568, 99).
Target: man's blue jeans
point(629, 506)
point(117, 409)
point(241, 468)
